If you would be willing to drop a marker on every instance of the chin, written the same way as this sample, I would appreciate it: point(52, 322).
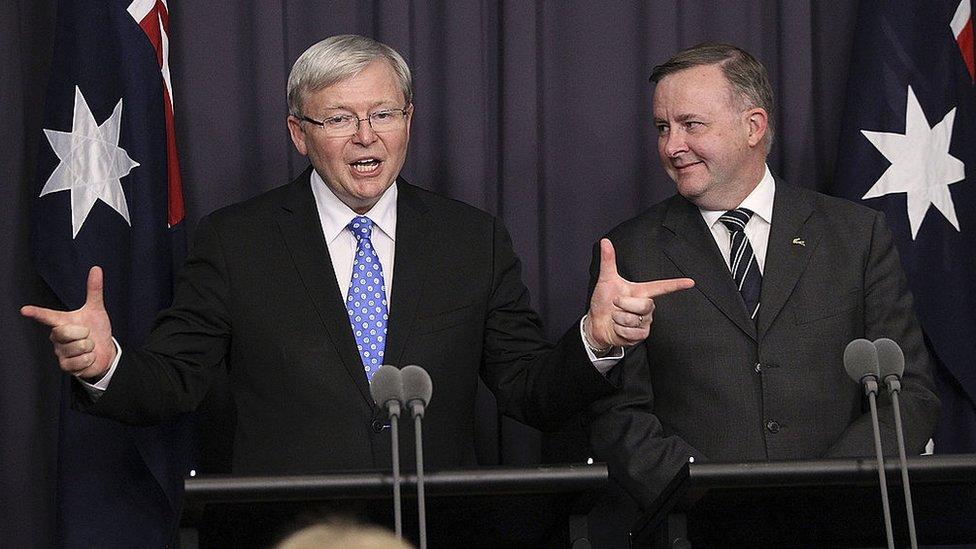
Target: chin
point(691, 190)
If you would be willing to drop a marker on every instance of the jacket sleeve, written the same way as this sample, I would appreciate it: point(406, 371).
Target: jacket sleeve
point(171, 374)
point(534, 382)
point(641, 455)
point(888, 312)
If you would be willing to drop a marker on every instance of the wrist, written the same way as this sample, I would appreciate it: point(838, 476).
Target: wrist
point(588, 339)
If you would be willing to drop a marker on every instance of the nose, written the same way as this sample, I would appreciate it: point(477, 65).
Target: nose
point(364, 133)
point(674, 143)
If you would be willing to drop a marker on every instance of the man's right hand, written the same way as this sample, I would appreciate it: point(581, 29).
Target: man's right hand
point(82, 338)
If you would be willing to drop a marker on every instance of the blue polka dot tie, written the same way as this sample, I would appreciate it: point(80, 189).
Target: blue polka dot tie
point(366, 301)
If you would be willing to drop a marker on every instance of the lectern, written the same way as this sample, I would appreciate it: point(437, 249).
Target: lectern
point(822, 503)
point(496, 507)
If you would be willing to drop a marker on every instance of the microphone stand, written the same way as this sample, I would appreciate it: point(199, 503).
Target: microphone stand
point(421, 511)
point(395, 443)
point(417, 390)
point(894, 387)
point(386, 388)
point(871, 389)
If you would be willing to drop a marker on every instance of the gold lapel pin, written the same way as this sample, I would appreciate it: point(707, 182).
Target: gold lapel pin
point(799, 242)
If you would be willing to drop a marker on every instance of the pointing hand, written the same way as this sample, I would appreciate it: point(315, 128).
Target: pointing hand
point(621, 311)
point(82, 338)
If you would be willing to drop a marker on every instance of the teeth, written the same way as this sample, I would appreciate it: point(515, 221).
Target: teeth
point(364, 166)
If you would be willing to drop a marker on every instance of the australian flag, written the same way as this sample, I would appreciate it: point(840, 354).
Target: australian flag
point(909, 149)
point(109, 194)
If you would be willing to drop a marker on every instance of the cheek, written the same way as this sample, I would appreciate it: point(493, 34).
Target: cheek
point(396, 145)
point(328, 153)
point(662, 152)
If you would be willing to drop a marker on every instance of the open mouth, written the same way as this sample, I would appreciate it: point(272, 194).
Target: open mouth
point(365, 165)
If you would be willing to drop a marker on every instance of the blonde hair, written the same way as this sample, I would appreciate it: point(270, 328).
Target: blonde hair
point(341, 534)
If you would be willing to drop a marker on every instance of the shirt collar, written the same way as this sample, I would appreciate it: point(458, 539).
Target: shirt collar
point(334, 215)
point(760, 201)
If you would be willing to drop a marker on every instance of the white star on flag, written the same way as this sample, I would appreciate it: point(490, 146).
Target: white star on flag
point(921, 165)
point(92, 163)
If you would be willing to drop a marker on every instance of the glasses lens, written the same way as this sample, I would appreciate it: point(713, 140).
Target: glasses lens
point(339, 125)
point(384, 121)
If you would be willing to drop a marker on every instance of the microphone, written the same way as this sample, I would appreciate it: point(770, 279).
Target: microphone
point(386, 387)
point(417, 389)
point(861, 363)
point(891, 361)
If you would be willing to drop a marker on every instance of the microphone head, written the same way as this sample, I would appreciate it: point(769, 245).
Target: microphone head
point(861, 360)
point(386, 385)
point(891, 359)
point(416, 385)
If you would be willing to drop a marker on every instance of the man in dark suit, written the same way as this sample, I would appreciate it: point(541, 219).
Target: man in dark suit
point(304, 291)
point(749, 364)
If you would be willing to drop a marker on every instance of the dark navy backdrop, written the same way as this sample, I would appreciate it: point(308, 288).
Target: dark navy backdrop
point(536, 111)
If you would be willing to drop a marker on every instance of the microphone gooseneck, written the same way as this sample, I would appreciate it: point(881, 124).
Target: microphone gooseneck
point(861, 363)
point(891, 360)
point(417, 390)
point(386, 387)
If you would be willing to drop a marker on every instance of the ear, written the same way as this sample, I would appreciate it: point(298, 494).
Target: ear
point(409, 118)
point(297, 134)
point(756, 119)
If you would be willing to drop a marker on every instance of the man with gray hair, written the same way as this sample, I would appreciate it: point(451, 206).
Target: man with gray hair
point(304, 291)
point(749, 365)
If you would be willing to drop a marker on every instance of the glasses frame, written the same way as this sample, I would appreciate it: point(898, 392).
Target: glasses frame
point(405, 111)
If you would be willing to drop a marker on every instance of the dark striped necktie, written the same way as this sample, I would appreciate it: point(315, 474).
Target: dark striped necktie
point(742, 260)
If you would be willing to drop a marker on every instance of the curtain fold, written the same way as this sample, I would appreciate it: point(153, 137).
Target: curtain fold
point(539, 112)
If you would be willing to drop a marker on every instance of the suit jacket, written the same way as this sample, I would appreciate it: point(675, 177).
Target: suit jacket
point(258, 294)
point(710, 383)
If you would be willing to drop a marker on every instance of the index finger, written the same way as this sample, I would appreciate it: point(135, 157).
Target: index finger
point(47, 317)
point(656, 288)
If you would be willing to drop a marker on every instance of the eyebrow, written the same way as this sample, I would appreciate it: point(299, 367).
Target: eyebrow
point(373, 105)
point(681, 117)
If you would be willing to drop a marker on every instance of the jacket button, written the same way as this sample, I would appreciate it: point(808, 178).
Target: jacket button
point(758, 367)
point(379, 425)
point(772, 426)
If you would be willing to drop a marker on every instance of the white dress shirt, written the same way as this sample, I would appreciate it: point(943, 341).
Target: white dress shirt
point(334, 216)
point(760, 201)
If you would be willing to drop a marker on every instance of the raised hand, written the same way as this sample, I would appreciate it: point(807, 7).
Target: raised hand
point(621, 311)
point(82, 338)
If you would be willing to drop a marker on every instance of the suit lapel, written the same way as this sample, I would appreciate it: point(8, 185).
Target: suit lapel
point(793, 236)
point(692, 248)
point(411, 264)
point(301, 230)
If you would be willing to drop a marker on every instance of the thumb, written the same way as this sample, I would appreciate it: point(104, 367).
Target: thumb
point(93, 297)
point(608, 261)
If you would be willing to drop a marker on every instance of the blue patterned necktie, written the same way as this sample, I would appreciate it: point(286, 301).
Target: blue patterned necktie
point(742, 260)
point(366, 301)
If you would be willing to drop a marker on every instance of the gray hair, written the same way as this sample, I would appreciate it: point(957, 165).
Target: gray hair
point(746, 75)
point(337, 58)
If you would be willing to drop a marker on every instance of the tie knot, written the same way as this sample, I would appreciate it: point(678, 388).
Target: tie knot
point(735, 220)
point(361, 227)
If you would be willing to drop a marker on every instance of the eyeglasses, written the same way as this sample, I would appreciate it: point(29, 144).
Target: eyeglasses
point(345, 125)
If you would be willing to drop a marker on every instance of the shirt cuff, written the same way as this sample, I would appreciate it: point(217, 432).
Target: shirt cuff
point(96, 389)
point(605, 362)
